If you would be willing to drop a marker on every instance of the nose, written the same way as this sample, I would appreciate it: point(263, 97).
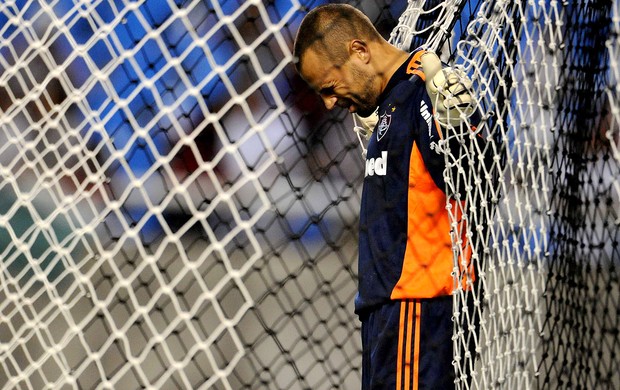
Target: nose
point(329, 101)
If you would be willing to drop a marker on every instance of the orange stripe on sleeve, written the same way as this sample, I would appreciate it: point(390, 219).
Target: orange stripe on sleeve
point(419, 73)
point(415, 64)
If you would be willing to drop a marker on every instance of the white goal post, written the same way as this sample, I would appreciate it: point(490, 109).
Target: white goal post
point(177, 210)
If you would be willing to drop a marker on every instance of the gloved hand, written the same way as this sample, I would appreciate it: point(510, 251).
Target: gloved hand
point(365, 126)
point(450, 91)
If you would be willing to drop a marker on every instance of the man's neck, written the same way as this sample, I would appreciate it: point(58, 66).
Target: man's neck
point(390, 60)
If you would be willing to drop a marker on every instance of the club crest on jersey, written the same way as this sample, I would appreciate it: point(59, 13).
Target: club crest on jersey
point(384, 125)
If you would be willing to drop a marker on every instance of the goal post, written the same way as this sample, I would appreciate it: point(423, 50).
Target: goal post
point(178, 210)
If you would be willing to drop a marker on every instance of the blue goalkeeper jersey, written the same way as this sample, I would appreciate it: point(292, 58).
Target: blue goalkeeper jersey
point(405, 248)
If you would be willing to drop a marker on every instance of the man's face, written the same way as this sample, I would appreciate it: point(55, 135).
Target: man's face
point(349, 86)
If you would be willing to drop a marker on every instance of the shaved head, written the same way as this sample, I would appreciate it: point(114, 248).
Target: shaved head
point(328, 29)
point(344, 59)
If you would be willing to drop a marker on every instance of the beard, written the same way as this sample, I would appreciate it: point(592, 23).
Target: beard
point(365, 112)
point(364, 101)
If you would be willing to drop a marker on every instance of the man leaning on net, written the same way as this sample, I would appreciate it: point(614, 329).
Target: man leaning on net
point(405, 251)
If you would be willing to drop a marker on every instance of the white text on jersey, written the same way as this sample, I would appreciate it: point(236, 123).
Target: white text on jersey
point(377, 166)
point(427, 116)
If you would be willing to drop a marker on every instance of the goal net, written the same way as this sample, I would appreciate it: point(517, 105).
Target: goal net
point(177, 209)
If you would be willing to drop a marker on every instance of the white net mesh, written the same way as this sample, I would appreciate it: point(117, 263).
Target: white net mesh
point(103, 284)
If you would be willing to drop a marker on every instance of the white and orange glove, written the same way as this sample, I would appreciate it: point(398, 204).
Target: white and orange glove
point(450, 91)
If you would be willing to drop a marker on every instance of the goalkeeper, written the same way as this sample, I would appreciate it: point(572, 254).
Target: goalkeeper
point(405, 251)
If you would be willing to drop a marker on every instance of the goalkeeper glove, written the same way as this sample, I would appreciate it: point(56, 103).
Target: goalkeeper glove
point(365, 126)
point(449, 90)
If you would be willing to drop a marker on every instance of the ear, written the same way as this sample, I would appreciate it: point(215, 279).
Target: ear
point(359, 49)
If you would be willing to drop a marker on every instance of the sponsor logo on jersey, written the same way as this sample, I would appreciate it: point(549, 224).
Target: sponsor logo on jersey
point(427, 117)
point(384, 125)
point(377, 166)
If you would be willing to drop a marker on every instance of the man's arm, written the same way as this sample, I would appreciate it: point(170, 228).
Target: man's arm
point(455, 117)
point(449, 89)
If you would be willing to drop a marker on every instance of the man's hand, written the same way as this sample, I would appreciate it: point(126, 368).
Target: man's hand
point(365, 126)
point(450, 91)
